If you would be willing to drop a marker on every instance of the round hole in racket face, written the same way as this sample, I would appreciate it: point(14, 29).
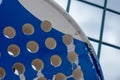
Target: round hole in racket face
point(72, 56)
point(37, 64)
point(32, 46)
point(77, 74)
point(50, 43)
point(28, 29)
point(67, 39)
point(2, 73)
point(42, 78)
point(60, 76)
point(46, 26)
point(55, 60)
point(13, 50)
point(9, 32)
point(18, 68)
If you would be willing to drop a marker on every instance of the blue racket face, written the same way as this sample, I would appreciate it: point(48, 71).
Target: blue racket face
point(31, 49)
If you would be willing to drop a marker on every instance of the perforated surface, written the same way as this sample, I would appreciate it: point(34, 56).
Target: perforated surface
point(45, 43)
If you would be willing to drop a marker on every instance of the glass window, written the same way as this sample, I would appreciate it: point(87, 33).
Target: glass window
point(110, 62)
point(114, 4)
point(88, 17)
point(112, 29)
point(99, 2)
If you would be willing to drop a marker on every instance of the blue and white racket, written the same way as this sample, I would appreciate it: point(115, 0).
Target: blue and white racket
point(40, 41)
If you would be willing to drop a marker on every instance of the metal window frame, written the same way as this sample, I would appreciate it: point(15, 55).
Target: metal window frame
point(104, 8)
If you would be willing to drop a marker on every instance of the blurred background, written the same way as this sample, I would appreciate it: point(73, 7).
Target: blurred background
point(100, 21)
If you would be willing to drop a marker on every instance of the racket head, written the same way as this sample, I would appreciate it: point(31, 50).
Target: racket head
point(47, 41)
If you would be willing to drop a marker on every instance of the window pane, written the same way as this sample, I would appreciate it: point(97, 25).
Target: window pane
point(114, 4)
point(112, 29)
point(62, 3)
point(88, 17)
point(99, 2)
point(110, 62)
